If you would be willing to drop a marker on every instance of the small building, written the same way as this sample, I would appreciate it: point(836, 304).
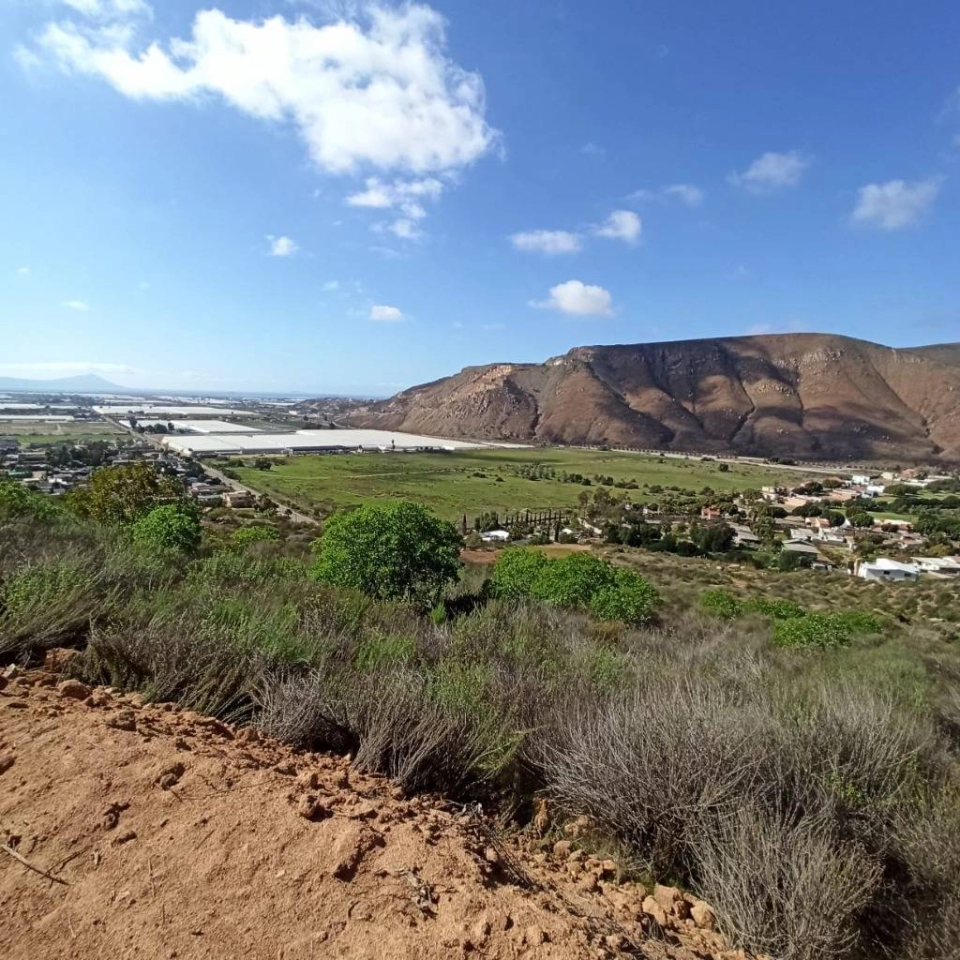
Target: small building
point(745, 537)
point(861, 479)
point(887, 570)
point(801, 534)
point(239, 498)
point(938, 566)
point(710, 513)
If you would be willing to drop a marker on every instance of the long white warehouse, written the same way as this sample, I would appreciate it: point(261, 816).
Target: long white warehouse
point(314, 441)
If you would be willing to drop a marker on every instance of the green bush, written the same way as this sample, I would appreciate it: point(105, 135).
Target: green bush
point(515, 571)
point(630, 598)
point(173, 527)
point(17, 500)
point(812, 630)
point(774, 607)
point(720, 603)
point(391, 551)
point(572, 581)
point(246, 536)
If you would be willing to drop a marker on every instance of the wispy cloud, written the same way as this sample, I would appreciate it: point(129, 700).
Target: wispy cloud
point(550, 242)
point(685, 193)
point(895, 204)
point(23, 271)
point(772, 172)
point(80, 305)
point(65, 368)
point(578, 299)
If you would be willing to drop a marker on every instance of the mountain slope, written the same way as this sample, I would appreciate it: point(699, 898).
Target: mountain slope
point(85, 383)
point(800, 395)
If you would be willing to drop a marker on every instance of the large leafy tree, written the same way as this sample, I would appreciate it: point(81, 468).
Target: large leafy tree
point(392, 551)
point(122, 494)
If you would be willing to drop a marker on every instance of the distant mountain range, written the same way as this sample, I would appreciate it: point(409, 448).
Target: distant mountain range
point(809, 396)
point(87, 383)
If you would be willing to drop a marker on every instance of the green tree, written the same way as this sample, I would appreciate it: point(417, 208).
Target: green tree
point(392, 551)
point(572, 581)
point(17, 500)
point(123, 494)
point(172, 527)
point(860, 519)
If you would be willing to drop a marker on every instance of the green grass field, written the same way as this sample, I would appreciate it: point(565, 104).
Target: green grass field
point(477, 481)
point(48, 433)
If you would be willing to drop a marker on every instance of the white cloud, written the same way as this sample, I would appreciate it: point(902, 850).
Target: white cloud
point(620, 225)
point(331, 286)
point(81, 305)
point(771, 172)
point(64, 368)
point(578, 299)
point(282, 246)
point(896, 203)
point(374, 89)
point(550, 242)
point(403, 195)
point(404, 229)
point(111, 9)
point(593, 150)
point(686, 193)
point(386, 314)
point(23, 271)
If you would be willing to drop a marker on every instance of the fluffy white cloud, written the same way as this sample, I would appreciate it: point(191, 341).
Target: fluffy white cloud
point(896, 203)
point(23, 271)
point(620, 225)
point(772, 172)
point(80, 305)
point(579, 299)
point(385, 314)
point(550, 242)
point(686, 193)
point(375, 89)
point(282, 246)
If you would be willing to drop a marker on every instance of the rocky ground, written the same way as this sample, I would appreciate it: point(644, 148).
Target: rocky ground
point(130, 830)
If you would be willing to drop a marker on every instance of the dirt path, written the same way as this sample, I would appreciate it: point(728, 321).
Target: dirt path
point(165, 834)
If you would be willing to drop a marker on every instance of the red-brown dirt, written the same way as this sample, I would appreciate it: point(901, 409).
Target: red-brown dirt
point(165, 834)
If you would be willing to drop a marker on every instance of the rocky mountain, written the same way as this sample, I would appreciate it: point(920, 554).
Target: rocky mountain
point(798, 395)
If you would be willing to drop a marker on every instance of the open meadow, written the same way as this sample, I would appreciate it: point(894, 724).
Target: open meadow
point(46, 433)
point(478, 481)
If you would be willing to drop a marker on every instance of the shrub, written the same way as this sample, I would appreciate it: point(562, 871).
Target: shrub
point(393, 551)
point(119, 495)
point(17, 500)
point(812, 630)
point(630, 598)
point(172, 527)
point(572, 581)
point(774, 607)
point(246, 536)
point(720, 603)
point(515, 571)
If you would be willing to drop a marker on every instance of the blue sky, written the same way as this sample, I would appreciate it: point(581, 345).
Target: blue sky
point(339, 197)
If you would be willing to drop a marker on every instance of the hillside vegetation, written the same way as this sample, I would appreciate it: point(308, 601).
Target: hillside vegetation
point(789, 776)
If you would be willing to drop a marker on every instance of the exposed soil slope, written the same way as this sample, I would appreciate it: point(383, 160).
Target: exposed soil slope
point(800, 395)
point(171, 835)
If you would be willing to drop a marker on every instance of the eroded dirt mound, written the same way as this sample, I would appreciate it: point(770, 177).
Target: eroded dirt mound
point(164, 834)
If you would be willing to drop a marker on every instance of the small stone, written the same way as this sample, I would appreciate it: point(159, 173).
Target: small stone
point(481, 930)
point(491, 856)
point(123, 720)
point(535, 936)
point(653, 909)
point(124, 837)
point(608, 868)
point(74, 690)
point(562, 848)
point(588, 884)
point(615, 942)
point(667, 897)
point(703, 916)
point(6, 762)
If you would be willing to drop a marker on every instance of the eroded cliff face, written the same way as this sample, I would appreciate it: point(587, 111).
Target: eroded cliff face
point(800, 395)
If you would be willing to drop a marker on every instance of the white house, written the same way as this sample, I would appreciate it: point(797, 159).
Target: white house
point(801, 534)
point(861, 479)
point(885, 569)
point(939, 566)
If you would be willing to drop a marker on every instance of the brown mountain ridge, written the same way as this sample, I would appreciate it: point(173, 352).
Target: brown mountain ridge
point(803, 395)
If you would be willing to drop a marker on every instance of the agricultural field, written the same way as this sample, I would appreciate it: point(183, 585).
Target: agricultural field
point(478, 481)
point(49, 433)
